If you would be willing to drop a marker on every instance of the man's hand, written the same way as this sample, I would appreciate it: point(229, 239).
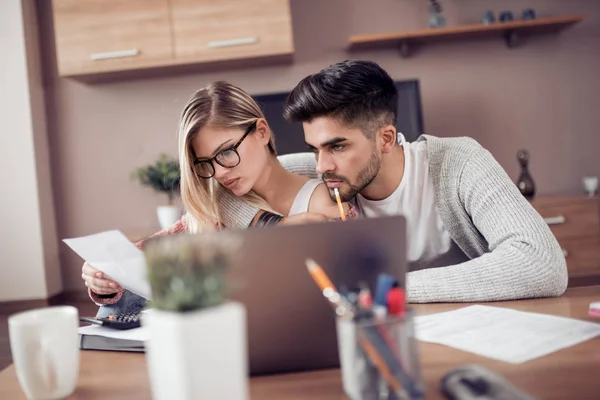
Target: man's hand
point(304, 218)
point(96, 282)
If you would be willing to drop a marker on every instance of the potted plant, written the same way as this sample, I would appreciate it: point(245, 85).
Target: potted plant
point(163, 176)
point(198, 340)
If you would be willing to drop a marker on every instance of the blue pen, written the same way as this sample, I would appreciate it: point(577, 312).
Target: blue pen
point(385, 283)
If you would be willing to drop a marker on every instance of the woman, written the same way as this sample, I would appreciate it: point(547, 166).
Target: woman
point(225, 140)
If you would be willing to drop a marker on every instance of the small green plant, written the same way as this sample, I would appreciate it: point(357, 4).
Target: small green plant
point(163, 176)
point(188, 273)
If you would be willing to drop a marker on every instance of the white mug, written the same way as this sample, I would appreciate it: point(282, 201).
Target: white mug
point(45, 351)
point(590, 184)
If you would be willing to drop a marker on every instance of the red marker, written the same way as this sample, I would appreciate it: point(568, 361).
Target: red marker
point(396, 302)
point(365, 300)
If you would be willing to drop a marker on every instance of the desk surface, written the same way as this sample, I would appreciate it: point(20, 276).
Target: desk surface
point(569, 373)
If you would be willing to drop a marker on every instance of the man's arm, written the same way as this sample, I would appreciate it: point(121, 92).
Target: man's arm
point(525, 260)
point(237, 214)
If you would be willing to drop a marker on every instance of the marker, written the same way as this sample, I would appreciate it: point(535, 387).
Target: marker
point(396, 302)
point(385, 283)
point(364, 298)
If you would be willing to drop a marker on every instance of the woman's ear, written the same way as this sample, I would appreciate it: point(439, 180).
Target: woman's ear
point(263, 131)
point(387, 137)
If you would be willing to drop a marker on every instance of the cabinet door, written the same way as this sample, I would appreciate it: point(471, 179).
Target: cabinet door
point(111, 35)
point(209, 30)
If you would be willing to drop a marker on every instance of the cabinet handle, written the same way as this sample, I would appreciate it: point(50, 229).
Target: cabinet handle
point(565, 253)
point(560, 219)
point(233, 42)
point(115, 54)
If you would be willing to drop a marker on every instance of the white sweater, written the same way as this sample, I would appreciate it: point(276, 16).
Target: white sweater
point(512, 252)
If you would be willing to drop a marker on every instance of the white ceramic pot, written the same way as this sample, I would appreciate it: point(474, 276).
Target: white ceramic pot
point(168, 215)
point(199, 354)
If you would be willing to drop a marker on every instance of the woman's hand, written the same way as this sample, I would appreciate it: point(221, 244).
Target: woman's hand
point(96, 281)
point(304, 218)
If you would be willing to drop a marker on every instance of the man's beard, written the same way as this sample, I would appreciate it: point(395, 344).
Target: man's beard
point(363, 179)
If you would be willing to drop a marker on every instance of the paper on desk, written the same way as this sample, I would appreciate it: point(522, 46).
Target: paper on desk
point(140, 334)
point(503, 334)
point(112, 253)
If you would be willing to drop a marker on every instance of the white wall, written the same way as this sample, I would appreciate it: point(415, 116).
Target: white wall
point(27, 256)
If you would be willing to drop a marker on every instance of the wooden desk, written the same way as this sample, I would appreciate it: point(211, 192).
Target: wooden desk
point(570, 373)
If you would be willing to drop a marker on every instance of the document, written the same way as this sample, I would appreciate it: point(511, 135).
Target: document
point(503, 334)
point(139, 334)
point(112, 253)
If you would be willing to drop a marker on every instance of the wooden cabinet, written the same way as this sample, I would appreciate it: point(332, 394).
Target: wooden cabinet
point(575, 222)
point(94, 36)
point(208, 30)
point(105, 36)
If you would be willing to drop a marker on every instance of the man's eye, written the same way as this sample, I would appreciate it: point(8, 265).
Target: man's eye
point(337, 147)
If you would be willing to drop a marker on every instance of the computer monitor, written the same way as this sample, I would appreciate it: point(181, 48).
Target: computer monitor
point(289, 137)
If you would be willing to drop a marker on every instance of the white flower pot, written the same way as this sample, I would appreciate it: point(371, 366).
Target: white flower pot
point(168, 215)
point(198, 355)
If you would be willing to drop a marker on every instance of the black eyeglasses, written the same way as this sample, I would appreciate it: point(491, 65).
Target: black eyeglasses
point(227, 158)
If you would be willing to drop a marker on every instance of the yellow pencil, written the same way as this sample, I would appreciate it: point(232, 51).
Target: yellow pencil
point(339, 203)
point(342, 307)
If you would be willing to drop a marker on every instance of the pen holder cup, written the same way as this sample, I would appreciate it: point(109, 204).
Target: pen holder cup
point(379, 358)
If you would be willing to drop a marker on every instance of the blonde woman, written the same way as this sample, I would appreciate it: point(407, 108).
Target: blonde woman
point(224, 140)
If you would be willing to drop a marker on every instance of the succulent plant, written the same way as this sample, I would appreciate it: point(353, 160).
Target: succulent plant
point(188, 272)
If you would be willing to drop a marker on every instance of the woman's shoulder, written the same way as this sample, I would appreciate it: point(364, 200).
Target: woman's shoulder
point(322, 203)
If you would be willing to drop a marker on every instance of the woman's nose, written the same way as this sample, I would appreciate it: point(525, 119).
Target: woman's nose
point(220, 171)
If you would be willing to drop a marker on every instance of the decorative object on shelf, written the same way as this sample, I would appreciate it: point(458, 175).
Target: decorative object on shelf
point(436, 19)
point(525, 182)
point(198, 339)
point(163, 177)
point(590, 184)
point(509, 32)
point(528, 14)
point(506, 16)
point(488, 17)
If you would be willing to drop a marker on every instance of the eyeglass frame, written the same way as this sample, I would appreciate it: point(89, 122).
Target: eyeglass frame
point(210, 160)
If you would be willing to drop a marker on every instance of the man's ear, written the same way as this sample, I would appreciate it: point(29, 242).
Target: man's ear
point(387, 137)
point(263, 131)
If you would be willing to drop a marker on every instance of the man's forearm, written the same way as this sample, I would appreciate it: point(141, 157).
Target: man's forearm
point(504, 274)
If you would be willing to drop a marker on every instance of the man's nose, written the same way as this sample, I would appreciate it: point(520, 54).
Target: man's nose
point(324, 163)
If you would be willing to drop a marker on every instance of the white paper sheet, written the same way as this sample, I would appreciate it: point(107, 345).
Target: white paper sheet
point(503, 334)
point(141, 333)
point(112, 253)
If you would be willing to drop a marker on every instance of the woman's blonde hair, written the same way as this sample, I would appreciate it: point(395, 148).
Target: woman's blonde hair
point(221, 105)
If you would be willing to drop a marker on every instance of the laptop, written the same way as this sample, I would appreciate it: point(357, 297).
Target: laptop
point(291, 326)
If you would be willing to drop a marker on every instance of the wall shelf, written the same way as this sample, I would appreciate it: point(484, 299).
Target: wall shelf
point(509, 31)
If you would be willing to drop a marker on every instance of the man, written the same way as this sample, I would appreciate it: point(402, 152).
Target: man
point(471, 234)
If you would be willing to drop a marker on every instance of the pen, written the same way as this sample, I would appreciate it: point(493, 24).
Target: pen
point(365, 300)
point(342, 307)
point(376, 343)
point(339, 203)
point(396, 301)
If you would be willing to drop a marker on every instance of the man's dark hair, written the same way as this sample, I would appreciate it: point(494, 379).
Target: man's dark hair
point(359, 94)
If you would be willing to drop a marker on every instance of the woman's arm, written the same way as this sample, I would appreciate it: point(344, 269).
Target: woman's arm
point(179, 227)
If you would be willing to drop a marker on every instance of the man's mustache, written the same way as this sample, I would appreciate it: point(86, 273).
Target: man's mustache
point(334, 177)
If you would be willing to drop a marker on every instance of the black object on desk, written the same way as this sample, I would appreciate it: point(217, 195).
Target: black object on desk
point(474, 382)
point(120, 322)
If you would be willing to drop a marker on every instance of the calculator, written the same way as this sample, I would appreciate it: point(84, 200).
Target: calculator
point(119, 321)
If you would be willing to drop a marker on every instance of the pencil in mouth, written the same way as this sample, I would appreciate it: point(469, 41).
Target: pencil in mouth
point(339, 203)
